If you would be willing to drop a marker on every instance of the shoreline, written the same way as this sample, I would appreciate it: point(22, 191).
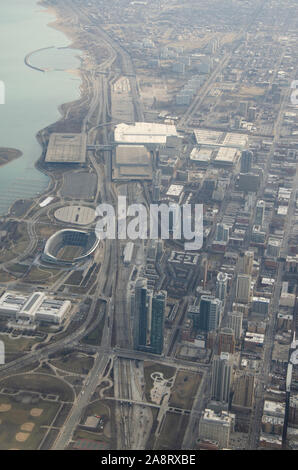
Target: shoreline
point(62, 108)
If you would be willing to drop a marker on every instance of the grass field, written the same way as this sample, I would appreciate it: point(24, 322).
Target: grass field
point(172, 433)
point(69, 252)
point(16, 347)
point(5, 277)
point(184, 389)
point(94, 338)
point(75, 362)
point(12, 423)
point(251, 91)
point(41, 383)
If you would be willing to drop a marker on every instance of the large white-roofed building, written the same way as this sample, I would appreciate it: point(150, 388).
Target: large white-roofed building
point(145, 133)
point(31, 308)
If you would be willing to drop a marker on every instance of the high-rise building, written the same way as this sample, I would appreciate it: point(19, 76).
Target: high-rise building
point(216, 427)
point(273, 248)
point(158, 307)
point(260, 213)
point(226, 341)
point(244, 391)
point(246, 161)
point(252, 113)
point(243, 107)
point(148, 311)
point(210, 310)
point(193, 312)
point(221, 286)
point(247, 262)
point(140, 304)
point(221, 380)
point(235, 323)
point(260, 305)
point(222, 233)
point(243, 288)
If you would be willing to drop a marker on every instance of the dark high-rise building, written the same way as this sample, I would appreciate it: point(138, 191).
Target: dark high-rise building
point(210, 309)
point(246, 161)
point(158, 307)
point(140, 302)
point(148, 311)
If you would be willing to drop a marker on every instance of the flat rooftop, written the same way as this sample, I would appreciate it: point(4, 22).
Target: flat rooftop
point(175, 190)
point(132, 155)
point(202, 155)
point(144, 133)
point(80, 215)
point(66, 148)
point(220, 138)
point(132, 162)
point(226, 155)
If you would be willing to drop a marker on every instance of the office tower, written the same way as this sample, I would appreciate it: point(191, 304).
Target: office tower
point(247, 262)
point(148, 312)
point(260, 305)
point(210, 309)
point(258, 235)
point(273, 248)
point(243, 288)
point(243, 107)
point(216, 427)
point(260, 213)
point(226, 341)
point(244, 392)
point(235, 323)
point(222, 233)
point(221, 378)
point(252, 113)
point(221, 286)
point(158, 307)
point(246, 161)
point(156, 185)
point(193, 312)
point(140, 303)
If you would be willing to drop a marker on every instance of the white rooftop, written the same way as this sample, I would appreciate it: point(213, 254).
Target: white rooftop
point(226, 154)
point(175, 190)
point(221, 139)
point(144, 133)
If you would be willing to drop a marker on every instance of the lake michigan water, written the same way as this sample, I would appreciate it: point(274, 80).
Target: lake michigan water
point(32, 97)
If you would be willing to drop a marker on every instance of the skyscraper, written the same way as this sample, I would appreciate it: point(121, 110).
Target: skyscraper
point(246, 161)
point(140, 304)
point(244, 391)
point(221, 378)
point(148, 312)
point(210, 309)
point(235, 323)
point(260, 213)
point(243, 288)
point(222, 233)
point(226, 341)
point(158, 307)
point(221, 286)
point(247, 262)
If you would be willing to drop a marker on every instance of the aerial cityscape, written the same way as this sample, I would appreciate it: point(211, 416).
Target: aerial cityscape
point(149, 225)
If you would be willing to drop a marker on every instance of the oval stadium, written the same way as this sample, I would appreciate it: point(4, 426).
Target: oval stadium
point(69, 246)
